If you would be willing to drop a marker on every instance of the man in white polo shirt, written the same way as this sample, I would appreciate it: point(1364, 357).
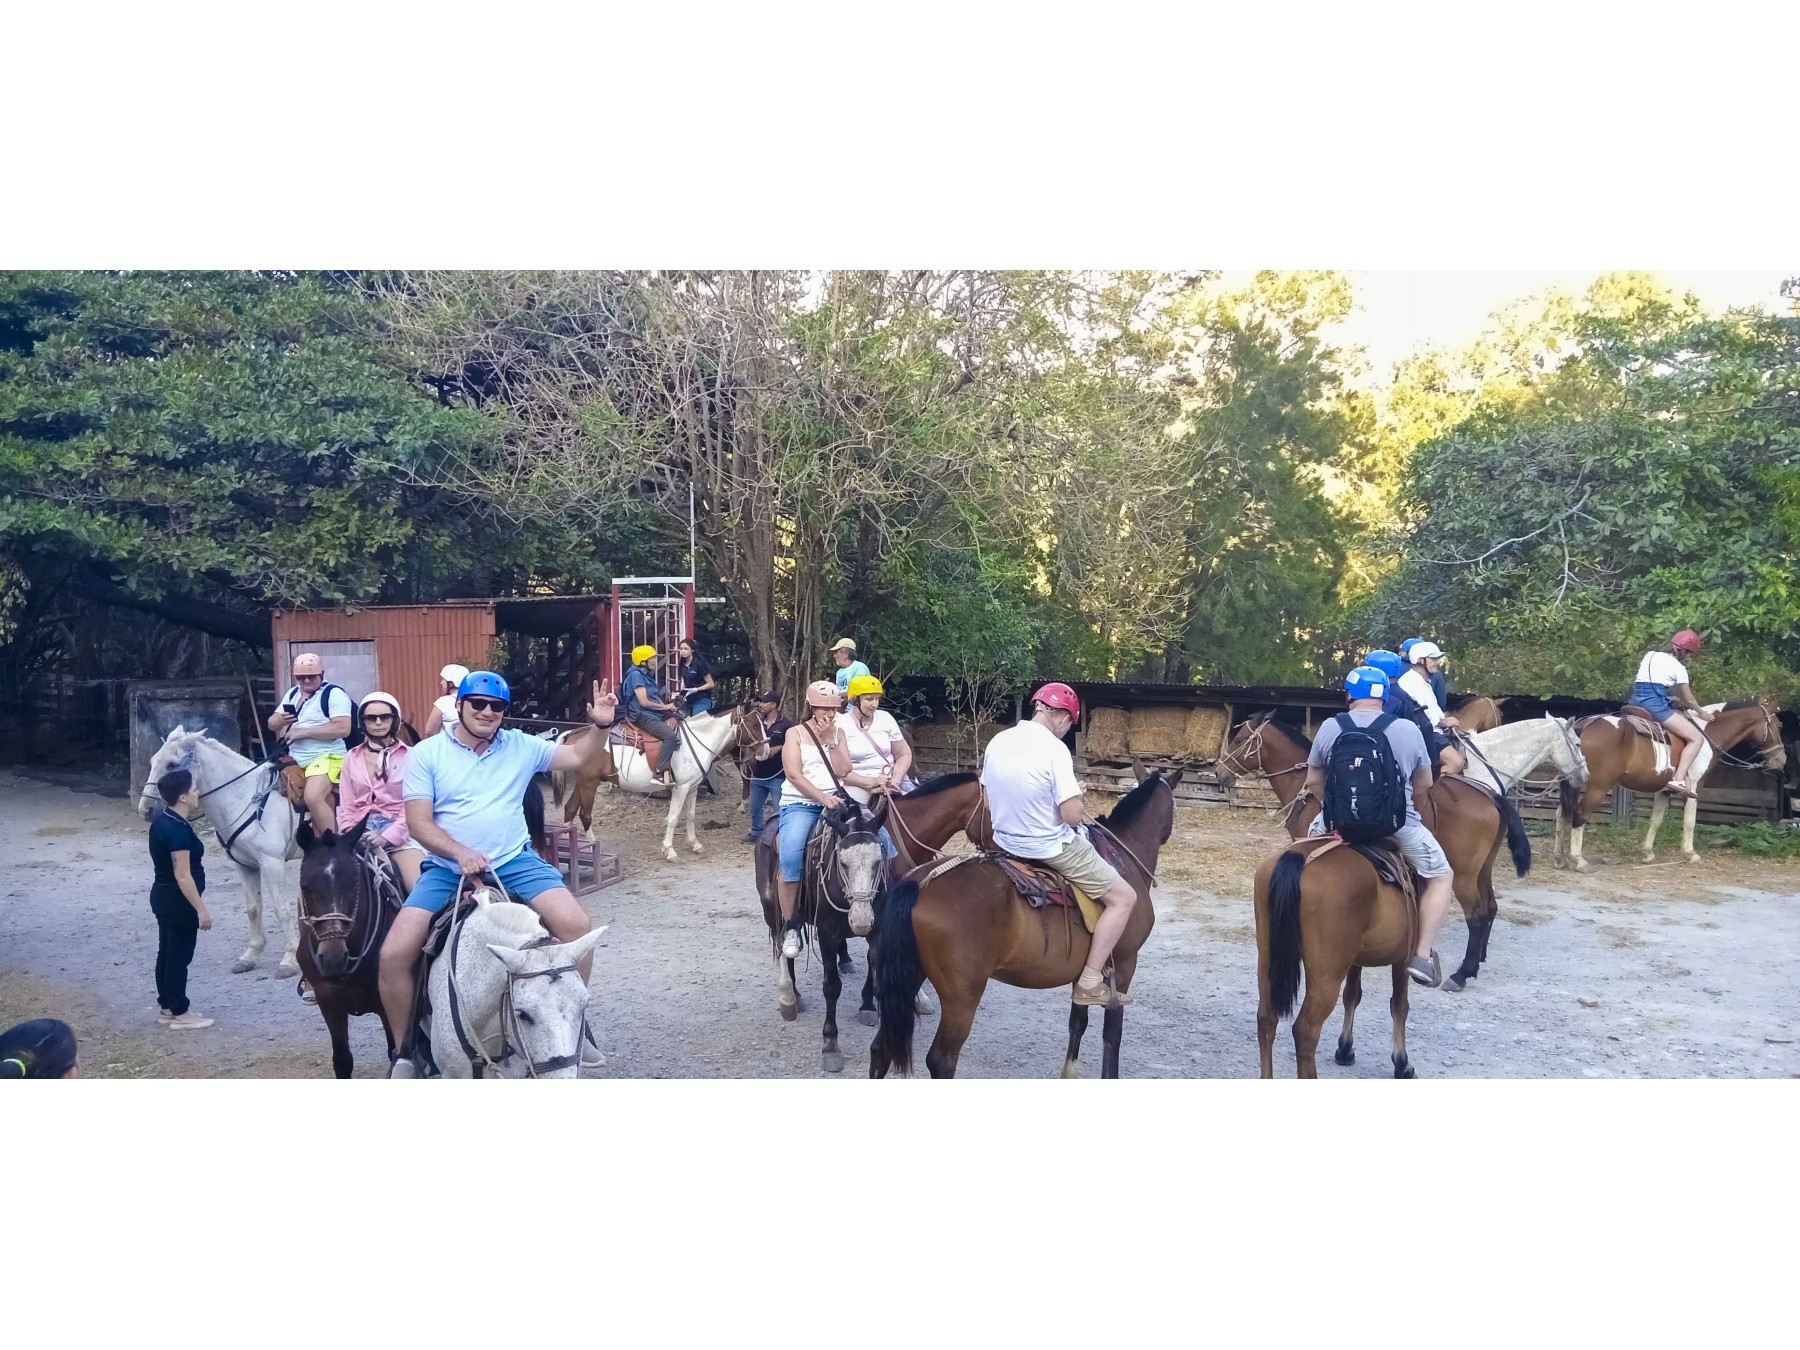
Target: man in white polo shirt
point(1035, 802)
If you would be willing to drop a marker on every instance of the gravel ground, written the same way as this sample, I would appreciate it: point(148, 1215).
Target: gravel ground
point(1675, 970)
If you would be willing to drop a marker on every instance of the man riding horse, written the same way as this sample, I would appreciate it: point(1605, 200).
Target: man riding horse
point(312, 721)
point(647, 709)
point(464, 793)
point(1035, 802)
point(1425, 667)
point(1663, 690)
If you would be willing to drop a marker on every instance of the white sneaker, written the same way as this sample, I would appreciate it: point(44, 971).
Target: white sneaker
point(402, 1068)
point(790, 943)
point(164, 1016)
point(189, 1021)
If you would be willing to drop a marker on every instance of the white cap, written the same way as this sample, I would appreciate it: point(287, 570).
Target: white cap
point(455, 674)
point(1422, 651)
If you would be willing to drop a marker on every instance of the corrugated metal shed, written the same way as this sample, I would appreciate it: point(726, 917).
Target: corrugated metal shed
point(411, 644)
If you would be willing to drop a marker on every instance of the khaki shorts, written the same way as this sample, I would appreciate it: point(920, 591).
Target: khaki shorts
point(1081, 864)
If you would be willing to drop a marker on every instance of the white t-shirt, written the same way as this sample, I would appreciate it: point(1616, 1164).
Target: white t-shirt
point(447, 706)
point(1661, 668)
point(1413, 681)
point(871, 750)
point(314, 713)
point(1028, 773)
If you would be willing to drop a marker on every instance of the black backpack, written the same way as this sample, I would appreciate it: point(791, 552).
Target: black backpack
point(353, 737)
point(1365, 792)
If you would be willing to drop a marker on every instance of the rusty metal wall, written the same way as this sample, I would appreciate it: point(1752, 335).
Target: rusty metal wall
point(412, 643)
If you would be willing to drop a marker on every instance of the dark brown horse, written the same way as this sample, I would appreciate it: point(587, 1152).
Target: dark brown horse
point(1469, 823)
point(920, 823)
point(1326, 907)
point(969, 925)
point(344, 918)
point(1618, 755)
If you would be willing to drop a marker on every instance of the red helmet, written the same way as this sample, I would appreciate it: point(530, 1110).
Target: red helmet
point(1687, 639)
point(1058, 696)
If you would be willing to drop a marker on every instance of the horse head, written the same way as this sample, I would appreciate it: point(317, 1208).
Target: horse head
point(857, 869)
point(1565, 753)
point(1243, 754)
point(543, 1008)
point(335, 885)
point(176, 752)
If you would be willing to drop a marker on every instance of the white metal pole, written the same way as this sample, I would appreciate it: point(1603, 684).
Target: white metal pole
point(691, 571)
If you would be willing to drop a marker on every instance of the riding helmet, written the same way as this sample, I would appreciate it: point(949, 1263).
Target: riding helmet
point(863, 684)
point(1366, 682)
point(1390, 664)
point(484, 684)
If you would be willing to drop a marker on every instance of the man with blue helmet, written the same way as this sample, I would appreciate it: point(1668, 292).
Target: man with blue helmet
point(1365, 689)
point(464, 795)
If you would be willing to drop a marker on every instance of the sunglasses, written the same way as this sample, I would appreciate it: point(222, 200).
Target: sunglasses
point(485, 704)
point(378, 717)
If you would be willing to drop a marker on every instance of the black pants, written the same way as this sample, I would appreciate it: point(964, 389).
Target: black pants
point(177, 926)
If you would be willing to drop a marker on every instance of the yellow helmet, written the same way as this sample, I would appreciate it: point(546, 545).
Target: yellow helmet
point(863, 684)
point(641, 654)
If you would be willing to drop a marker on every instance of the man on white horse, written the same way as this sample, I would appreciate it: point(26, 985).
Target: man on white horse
point(464, 794)
point(313, 720)
point(647, 709)
point(1424, 662)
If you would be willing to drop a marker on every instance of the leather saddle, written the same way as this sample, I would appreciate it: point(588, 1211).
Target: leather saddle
point(631, 734)
point(290, 780)
point(1640, 721)
point(1038, 886)
point(1391, 867)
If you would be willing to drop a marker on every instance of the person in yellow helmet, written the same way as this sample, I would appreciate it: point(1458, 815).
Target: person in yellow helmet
point(878, 752)
point(646, 707)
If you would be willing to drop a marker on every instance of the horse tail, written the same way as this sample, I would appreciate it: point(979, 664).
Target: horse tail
point(1569, 801)
point(534, 818)
point(898, 973)
point(1516, 838)
point(1284, 932)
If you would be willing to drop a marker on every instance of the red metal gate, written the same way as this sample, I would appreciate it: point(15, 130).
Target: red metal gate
point(658, 611)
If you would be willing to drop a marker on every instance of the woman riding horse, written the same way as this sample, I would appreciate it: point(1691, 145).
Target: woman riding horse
point(370, 786)
point(1663, 690)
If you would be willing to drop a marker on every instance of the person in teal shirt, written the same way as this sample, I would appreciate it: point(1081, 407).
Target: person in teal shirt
point(843, 651)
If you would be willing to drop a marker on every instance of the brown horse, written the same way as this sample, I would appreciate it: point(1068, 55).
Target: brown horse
point(1328, 909)
point(1478, 712)
point(1619, 755)
point(344, 919)
point(1468, 823)
point(966, 926)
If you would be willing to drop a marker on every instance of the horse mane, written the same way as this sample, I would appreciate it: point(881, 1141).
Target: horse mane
point(514, 921)
point(1298, 733)
point(942, 783)
point(1132, 805)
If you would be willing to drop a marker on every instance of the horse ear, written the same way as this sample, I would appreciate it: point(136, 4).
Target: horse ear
point(1175, 778)
point(1137, 768)
point(180, 730)
point(304, 834)
point(511, 957)
point(355, 833)
point(584, 944)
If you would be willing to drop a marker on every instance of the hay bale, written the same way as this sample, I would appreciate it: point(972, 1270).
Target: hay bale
point(1108, 733)
point(1158, 731)
point(1205, 736)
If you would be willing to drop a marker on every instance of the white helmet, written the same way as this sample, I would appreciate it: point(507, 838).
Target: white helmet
point(1425, 651)
point(454, 673)
point(379, 696)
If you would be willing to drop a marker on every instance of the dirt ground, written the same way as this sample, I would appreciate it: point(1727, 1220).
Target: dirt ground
point(1673, 970)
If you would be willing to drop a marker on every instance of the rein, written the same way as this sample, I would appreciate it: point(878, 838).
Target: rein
point(1255, 743)
point(377, 872)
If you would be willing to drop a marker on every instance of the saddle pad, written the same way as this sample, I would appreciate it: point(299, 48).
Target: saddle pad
point(1039, 886)
point(292, 780)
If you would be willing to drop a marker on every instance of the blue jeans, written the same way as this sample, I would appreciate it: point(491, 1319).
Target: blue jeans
point(699, 703)
point(761, 790)
point(1653, 699)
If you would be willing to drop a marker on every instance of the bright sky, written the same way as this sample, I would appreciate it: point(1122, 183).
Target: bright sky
point(1398, 312)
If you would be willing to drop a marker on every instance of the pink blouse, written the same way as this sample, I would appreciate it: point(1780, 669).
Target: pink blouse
point(361, 793)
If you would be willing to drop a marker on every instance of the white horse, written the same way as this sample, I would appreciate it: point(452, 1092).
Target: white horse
point(255, 824)
point(1516, 749)
point(519, 995)
point(704, 738)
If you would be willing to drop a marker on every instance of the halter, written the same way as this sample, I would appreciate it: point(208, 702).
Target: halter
point(824, 889)
point(1266, 775)
point(479, 1059)
point(377, 873)
point(256, 811)
point(1771, 732)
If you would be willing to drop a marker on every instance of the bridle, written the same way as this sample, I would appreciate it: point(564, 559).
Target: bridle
point(835, 845)
point(1771, 733)
point(1255, 743)
point(510, 1038)
point(252, 816)
point(377, 876)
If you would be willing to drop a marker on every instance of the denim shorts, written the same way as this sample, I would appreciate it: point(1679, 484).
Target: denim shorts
point(525, 876)
point(1653, 699)
point(797, 822)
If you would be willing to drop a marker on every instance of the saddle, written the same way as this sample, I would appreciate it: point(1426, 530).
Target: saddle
point(1391, 867)
point(1640, 721)
point(290, 780)
point(1637, 719)
point(631, 734)
point(1038, 886)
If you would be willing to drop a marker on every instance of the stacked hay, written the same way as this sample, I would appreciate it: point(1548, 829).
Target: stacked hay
point(1205, 736)
point(1108, 733)
point(1161, 732)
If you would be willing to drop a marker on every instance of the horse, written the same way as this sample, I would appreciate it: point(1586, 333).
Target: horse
point(1620, 756)
point(920, 823)
point(704, 738)
point(1478, 713)
point(1468, 822)
point(255, 825)
point(961, 925)
point(1321, 902)
point(349, 895)
point(507, 999)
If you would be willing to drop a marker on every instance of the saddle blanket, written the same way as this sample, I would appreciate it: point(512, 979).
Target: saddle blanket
point(1390, 865)
point(1645, 726)
point(1037, 886)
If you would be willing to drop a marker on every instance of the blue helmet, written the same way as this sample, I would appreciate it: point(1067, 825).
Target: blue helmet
point(484, 684)
point(1390, 664)
point(1407, 646)
point(1366, 682)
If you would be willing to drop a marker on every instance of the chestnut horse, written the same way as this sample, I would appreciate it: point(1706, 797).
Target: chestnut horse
point(962, 927)
point(1478, 713)
point(1328, 909)
point(1619, 755)
point(1468, 823)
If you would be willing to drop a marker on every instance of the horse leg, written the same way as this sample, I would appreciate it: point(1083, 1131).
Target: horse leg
point(1559, 848)
point(252, 880)
point(1321, 997)
point(787, 998)
point(668, 842)
point(1689, 809)
point(953, 1029)
point(1659, 805)
point(691, 804)
point(287, 914)
point(867, 1014)
point(831, 1060)
point(1397, 1005)
point(1112, 1026)
point(337, 1022)
point(1078, 1020)
point(1346, 1049)
point(1472, 907)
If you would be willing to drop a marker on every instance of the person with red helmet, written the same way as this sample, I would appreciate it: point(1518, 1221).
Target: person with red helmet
point(1035, 803)
point(1663, 690)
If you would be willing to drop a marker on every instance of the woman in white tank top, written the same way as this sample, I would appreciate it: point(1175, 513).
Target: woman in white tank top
point(809, 789)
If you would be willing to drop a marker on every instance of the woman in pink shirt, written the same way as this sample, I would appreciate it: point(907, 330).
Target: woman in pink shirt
point(370, 784)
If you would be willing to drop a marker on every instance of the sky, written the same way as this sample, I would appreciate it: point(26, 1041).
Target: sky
point(1398, 312)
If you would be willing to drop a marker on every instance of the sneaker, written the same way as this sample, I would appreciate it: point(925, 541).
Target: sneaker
point(403, 1068)
point(751, 837)
point(1428, 973)
point(164, 1015)
point(591, 1058)
point(1102, 995)
point(189, 1021)
point(790, 943)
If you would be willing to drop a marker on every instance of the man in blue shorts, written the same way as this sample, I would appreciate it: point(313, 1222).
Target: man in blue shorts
point(465, 793)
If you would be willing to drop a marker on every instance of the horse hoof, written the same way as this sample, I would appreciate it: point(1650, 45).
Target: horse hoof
point(1691, 857)
point(789, 1011)
point(1345, 1056)
point(868, 1017)
point(831, 1061)
point(668, 855)
point(1404, 1071)
point(286, 971)
point(1581, 865)
point(1454, 985)
point(922, 1004)
point(696, 846)
point(1071, 1069)
point(239, 966)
